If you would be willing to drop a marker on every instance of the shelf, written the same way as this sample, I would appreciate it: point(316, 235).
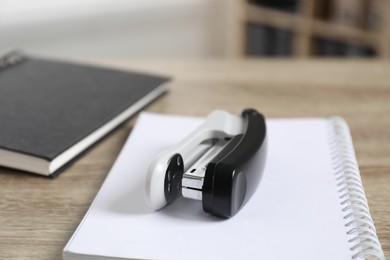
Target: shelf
point(345, 33)
point(306, 27)
point(271, 17)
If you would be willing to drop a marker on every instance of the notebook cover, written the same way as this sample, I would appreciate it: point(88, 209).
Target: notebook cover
point(47, 106)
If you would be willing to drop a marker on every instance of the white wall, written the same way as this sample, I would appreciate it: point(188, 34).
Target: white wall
point(114, 28)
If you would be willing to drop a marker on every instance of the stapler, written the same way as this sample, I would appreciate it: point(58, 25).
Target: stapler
point(210, 164)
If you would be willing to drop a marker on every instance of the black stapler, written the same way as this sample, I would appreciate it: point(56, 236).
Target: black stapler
point(209, 164)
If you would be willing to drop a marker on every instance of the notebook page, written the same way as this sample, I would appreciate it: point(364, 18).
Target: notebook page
point(294, 214)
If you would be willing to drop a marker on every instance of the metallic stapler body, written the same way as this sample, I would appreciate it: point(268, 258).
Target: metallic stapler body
point(210, 164)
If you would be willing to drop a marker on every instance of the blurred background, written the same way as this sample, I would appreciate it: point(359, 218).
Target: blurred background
point(112, 29)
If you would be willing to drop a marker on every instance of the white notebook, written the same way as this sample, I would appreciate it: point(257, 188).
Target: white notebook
point(310, 202)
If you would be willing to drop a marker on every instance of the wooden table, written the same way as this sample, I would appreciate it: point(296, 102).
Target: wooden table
point(38, 215)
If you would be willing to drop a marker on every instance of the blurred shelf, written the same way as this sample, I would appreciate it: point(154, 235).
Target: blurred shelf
point(345, 33)
point(272, 17)
point(306, 26)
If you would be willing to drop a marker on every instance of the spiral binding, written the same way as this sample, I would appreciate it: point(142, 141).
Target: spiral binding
point(358, 222)
point(11, 59)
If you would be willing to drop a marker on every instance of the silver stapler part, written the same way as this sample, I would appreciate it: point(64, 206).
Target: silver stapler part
point(193, 178)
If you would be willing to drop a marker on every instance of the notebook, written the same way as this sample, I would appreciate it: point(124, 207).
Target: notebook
point(310, 202)
point(51, 111)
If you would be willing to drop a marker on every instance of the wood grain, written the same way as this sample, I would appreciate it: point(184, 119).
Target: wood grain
point(39, 215)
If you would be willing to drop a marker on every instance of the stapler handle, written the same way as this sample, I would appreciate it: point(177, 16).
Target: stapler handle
point(226, 183)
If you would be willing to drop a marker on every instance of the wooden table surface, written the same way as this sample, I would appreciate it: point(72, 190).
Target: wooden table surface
point(39, 215)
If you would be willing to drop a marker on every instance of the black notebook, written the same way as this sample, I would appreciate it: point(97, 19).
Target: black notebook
point(51, 111)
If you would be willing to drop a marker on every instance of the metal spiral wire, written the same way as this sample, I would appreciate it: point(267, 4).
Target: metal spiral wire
point(358, 222)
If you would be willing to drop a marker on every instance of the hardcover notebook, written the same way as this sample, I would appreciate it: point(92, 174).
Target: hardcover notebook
point(310, 203)
point(51, 111)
